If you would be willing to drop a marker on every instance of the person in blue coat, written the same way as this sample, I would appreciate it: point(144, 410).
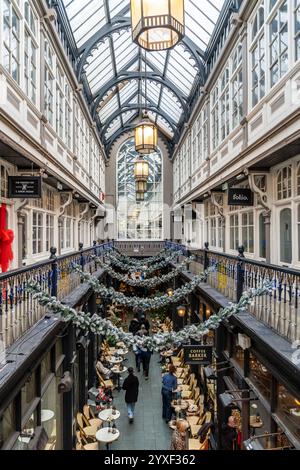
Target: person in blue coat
point(169, 385)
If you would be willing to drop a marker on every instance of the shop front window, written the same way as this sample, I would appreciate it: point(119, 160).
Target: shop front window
point(7, 424)
point(51, 415)
point(28, 393)
point(288, 410)
point(260, 376)
point(238, 354)
point(27, 434)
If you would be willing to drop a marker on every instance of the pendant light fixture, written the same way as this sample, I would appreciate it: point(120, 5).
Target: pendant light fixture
point(140, 197)
point(141, 170)
point(146, 134)
point(141, 186)
point(157, 25)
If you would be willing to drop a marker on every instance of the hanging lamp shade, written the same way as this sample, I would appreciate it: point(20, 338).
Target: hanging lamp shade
point(146, 137)
point(140, 197)
point(141, 170)
point(141, 186)
point(158, 24)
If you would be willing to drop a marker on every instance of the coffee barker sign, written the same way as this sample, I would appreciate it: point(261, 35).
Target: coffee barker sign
point(240, 197)
point(199, 355)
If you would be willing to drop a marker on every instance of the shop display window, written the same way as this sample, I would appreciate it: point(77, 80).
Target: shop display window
point(238, 354)
point(260, 376)
point(46, 367)
point(51, 414)
point(27, 434)
point(7, 424)
point(288, 410)
point(28, 393)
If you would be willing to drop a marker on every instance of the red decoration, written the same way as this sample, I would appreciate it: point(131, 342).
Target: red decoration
point(6, 240)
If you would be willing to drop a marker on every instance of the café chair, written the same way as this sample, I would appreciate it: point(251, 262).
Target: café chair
point(104, 383)
point(82, 443)
point(91, 419)
point(89, 432)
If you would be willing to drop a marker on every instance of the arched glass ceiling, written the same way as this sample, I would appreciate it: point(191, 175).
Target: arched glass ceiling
point(112, 63)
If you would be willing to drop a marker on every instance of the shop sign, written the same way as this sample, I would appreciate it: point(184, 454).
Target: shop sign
point(24, 187)
point(198, 355)
point(240, 197)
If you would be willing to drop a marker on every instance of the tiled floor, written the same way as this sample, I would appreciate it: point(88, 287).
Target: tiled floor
point(149, 431)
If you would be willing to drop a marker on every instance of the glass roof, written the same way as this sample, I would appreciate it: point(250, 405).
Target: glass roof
point(113, 64)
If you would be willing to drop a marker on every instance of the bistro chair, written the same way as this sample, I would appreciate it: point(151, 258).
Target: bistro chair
point(104, 383)
point(89, 432)
point(82, 443)
point(91, 419)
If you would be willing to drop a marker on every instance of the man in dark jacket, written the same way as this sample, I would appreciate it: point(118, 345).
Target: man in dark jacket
point(131, 385)
point(134, 326)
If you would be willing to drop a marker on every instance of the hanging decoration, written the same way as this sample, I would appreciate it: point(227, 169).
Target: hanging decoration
point(6, 241)
point(159, 25)
point(139, 263)
point(150, 283)
point(99, 326)
point(147, 270)
point(146, 303)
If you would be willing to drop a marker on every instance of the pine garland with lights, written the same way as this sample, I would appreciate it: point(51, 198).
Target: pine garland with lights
point(157, 342)
point(147, 270)
point(150, 283)
point(146, 303)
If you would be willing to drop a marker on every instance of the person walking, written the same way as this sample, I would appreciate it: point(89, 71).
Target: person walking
point(134, 326)
point(131, 386)
point(146, 358)
point(169, 385)
point(145, 322)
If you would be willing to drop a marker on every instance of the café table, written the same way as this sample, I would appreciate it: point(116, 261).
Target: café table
point(115, 360)
point(46, 415)
point(122, 352)
point(255, 423)
point(116, 370)
point(107, 415)
point(107, 436)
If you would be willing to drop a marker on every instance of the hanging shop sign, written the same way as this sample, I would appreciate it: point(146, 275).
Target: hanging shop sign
point(20, 187)
point(240, 197)
point(198, 355)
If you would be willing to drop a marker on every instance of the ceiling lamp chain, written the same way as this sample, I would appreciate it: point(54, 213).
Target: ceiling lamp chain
point(157, 25)
point(146, 134)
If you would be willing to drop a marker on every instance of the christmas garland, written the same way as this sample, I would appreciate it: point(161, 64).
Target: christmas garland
point(145, 303)
point(157, 342)
point(150, 283)
point(139, 264)
point(147, 270)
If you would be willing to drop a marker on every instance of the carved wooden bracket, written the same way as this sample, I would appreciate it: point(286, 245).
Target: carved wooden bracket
point(63, 208)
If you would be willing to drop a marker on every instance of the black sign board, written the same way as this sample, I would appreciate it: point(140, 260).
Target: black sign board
point(198, 355)
point(24, 187)
point(240, 197)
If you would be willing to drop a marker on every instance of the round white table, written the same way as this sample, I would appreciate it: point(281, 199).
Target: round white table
point(117, 371)
point(47, 415)
point(103, 435)
point(116, 361)
point(122, 352)
point(107, 414)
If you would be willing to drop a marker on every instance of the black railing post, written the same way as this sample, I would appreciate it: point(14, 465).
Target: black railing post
point(81, 256)
point(206, 260)
point(54, 271)
point(240, 275)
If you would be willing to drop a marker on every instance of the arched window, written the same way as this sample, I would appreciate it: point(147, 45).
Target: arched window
point(286, 236)
point(139, 220)
point(284, 183)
